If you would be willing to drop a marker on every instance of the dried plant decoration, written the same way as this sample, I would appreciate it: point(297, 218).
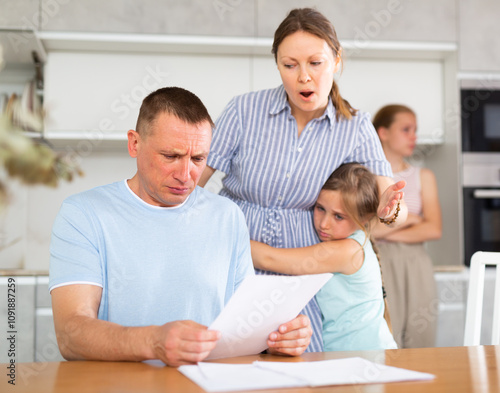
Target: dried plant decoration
point(29, 160)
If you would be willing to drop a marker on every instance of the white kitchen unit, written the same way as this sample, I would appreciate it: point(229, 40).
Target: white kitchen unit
point(95, 95)
point(28, 327)
point(452, 287)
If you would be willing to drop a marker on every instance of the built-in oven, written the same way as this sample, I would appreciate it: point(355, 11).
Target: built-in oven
point(481, 201)
point(480, 120)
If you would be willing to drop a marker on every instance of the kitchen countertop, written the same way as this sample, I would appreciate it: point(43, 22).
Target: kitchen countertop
point(22, 272)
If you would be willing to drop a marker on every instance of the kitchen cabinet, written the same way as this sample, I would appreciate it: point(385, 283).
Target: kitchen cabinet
point(107, 89)
point(18, 326)
point(46, 348)
point(479, 32)
point(194, 17)
point(108, 84)
point(366, 21)
point(32, 336)
point(452, 289)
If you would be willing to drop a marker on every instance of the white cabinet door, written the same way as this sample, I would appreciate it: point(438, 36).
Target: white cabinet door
point(17, 310)
point(369, 84)
point(99, 94)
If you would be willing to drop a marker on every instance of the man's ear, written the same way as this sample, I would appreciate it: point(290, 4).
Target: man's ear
point(133, 141)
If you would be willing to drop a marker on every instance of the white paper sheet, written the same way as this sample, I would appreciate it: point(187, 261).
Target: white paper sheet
point(259, 306)
point(219, 377)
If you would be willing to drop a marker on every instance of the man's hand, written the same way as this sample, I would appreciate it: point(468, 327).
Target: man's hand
point(183, 342)
point(292, 338)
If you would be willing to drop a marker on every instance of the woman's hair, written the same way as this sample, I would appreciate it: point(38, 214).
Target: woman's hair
point(386, 115)
point(359, 190)
point(313, 22)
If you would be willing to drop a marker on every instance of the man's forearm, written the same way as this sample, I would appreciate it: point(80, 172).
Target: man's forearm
point(85, 338)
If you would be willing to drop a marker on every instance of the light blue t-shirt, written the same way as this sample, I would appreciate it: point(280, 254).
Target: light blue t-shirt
point(353, 307)
point(154, 264)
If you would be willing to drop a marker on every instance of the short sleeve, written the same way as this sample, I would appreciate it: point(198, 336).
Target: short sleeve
point(241, 256)
point(74, 254)
point(369, 150)
point(225, 138)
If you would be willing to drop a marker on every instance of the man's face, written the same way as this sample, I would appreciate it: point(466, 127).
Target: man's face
point(170, 159)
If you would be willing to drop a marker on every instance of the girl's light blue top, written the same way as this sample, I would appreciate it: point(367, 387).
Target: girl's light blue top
point(353, 307)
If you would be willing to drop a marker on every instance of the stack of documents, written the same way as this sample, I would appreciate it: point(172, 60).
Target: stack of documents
point(219, 377)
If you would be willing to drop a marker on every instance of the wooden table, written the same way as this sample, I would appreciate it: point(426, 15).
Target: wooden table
point(457, 369)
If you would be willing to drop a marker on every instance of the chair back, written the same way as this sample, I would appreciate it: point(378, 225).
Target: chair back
point(475, 298)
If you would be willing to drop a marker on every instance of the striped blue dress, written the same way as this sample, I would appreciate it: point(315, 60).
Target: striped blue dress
point(275, 176)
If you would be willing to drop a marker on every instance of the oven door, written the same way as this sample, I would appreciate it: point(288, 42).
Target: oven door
point(480, 120)
point(481, 220)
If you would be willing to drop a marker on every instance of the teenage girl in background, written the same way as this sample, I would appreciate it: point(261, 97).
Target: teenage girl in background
point(406, 265)
point(351, 303)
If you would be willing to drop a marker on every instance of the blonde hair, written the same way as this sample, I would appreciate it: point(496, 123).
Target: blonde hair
point(314, 22)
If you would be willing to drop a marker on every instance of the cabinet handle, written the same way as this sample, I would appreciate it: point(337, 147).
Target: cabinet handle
point(486, 194)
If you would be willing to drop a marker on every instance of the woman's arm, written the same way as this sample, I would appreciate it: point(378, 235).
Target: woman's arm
point(337, 256)
point(430, 227)
point(206, 175)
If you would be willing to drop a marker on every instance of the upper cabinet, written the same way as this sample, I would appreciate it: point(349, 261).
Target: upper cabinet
point(479, 35)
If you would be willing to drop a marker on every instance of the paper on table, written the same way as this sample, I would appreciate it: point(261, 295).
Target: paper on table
point(266, 375)
point(343, 371)
point(258, 307)
point(216, 377)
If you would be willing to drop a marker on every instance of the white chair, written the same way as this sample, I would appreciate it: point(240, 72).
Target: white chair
point(475, 298)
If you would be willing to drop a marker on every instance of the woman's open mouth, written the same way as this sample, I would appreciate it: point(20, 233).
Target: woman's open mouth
point(306, 94)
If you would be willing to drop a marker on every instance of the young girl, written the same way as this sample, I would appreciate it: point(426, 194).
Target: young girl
point(406, 265)
point(351, 303)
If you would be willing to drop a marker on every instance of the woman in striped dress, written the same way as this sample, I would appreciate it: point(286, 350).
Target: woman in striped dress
point(277, 147)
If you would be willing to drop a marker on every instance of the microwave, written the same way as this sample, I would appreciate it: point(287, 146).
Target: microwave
point(480, 111)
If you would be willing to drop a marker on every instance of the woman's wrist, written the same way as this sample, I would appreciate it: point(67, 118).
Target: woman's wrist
point(389, 221)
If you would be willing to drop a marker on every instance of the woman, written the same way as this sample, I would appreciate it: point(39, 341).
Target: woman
point(278, 146)
point(406, 266)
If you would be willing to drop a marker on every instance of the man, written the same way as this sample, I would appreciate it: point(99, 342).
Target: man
point(140, 267)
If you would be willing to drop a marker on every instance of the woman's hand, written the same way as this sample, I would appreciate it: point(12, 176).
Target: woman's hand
point(389, 200)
